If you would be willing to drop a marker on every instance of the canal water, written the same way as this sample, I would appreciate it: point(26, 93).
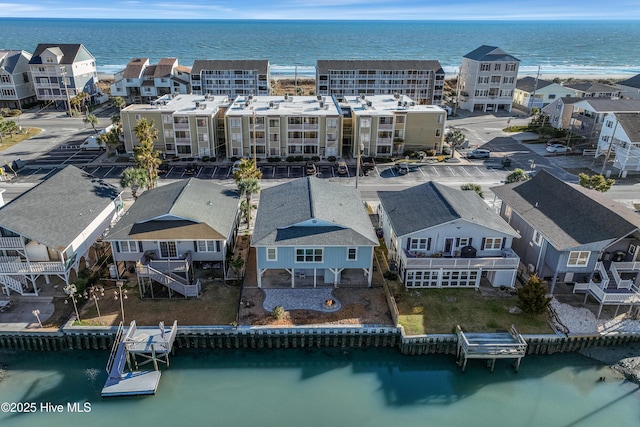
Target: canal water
point(318, 387)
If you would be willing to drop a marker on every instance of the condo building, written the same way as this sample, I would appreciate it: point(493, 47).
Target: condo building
point(142, 82)
point(230, 78)
point(16, 86)
point(421, 80)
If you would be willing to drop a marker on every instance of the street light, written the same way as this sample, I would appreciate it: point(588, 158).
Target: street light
point(122, 296)
point(36, 313)
point(71, 291)
point(92, 293)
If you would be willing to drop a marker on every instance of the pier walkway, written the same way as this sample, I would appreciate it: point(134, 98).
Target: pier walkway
point(152, 345)
point(490, 346)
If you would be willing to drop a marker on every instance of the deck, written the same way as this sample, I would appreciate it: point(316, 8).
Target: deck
point(490, 346)
point(152, 345)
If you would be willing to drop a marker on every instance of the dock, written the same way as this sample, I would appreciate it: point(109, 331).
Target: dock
point(490, 346)
point(151, 346)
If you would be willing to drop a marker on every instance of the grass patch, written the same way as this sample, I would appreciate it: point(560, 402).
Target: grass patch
point(11, 140)
point(438, 311)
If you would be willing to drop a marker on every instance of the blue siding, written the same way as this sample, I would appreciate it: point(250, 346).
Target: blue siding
point(333, 257)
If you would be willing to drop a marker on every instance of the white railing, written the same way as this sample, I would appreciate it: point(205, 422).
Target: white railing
point(603, 275)
point(604, 297)
point(32, 267)
point(463, 263)
point(11, 283)
point(627, 266)
point(11, 243)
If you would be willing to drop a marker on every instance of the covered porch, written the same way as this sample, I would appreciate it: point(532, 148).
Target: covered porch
point(313, 278)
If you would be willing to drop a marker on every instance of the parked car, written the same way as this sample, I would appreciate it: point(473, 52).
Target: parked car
point(557, 148)
point(478, 153)
point(163, 168)
point(236, 166)
point(311, 168)
point(342, 168)
point(367, 164)
point(402, 168)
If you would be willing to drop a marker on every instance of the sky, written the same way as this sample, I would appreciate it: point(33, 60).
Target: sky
point(326, 9)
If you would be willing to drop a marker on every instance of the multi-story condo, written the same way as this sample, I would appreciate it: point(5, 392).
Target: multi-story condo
point(188, 125)
point(423, 81)
point(279, 126)
point(487, 80)
point(16, 86)
point(620, 139)
point(62, 71)
point(382, 125)
point(142, 82)
point(230, 77)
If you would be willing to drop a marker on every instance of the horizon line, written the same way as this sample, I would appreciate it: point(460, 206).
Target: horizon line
point(469, 19)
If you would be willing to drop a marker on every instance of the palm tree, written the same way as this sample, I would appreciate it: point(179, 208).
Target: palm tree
point(246, 169)
point(135, 178)
point(111, 138)
point(146, 156)
point(516, 176)
point(119, 103)
point(454, 138)
point(247, 187)
point(92, 119)
point(79, 100)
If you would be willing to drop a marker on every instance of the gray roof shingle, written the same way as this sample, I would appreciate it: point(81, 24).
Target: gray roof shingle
point(631, 82)
point(630, 122)
point(490, 53)
point(57, 210)
point(568, 215)
point(431, 204)
point(336, 215)
point(191, 209)
point(70, 52)
point(528, 84)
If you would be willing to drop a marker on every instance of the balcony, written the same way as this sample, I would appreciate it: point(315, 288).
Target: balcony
point(615, 286)
point(20, 267)
point(419, 260)
point(181, 125)
point(9, 243)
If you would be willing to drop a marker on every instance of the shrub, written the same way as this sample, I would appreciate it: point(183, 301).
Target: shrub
point(212, 159)
point(516, 176)
point(291, 159)
point(331, 158)
point(299, 158)
point(473, 187)
point(315, 158)
point(409, 153)
point(431, 152)
point(390, 275)
point(278, 312)
point(205, 158)
point(273, 159)
point(233, 159)
point(532, 297)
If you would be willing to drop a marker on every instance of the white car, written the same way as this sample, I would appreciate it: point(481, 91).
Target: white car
point(236, 166)
point(557, 148)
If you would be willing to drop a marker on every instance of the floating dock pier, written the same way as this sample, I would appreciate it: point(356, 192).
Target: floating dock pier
point(151, 345)
point(490, 346)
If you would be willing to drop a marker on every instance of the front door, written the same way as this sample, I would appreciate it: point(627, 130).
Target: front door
point(168, 250)
point(448, 245)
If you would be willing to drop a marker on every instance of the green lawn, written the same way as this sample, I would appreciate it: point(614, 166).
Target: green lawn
point(11, 140)
point(438, 311)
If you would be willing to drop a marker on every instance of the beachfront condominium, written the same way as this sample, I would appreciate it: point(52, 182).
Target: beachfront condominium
point(487, 80)
point(232, 78)
point(188, 125)
point(16, 86)
point(422, 80)
point(62, 71)
point(383, 125)
point(283, 126)
point(142, 82)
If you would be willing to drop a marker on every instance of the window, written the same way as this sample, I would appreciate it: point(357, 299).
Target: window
point(365, 122)
point(490, 243)
point(206, 246)
point(309, 255)
point(201, 122)
point(483, 79)
point(578, 258)
point(235, 123)
point(437, 132)
point(128, 246)
point(400, 119)
point(272, 254)
point(5, 78)
point(537, 238)
point(495, 79)
point(497, 67)
point(510, 67)
point(485, 67)
point(352, 254)
point(552, 96)
point(462, 242)
point(507, 79)
point(274, 123)
point(609, 123)
point(420, 244)
point(507, 212)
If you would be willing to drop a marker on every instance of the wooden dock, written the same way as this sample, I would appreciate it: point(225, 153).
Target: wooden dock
point(152, 345)
point(490, 346)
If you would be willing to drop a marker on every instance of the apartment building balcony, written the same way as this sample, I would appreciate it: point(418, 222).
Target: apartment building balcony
point(181, 125)
point(311, 126)
point(294, 126)
point(422, 260)
point(384, 141)
point(183, 141)
point(310, 141)
point(385, 126)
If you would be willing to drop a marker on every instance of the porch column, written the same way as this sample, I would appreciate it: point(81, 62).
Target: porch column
point(479, 279)
point(47, 280)
point(513, 279)
point(293, 278)
point(314, 278)
point(259, 278)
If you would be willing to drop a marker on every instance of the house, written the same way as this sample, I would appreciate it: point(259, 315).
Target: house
point(16, 86)
point(620, 138)
point(187, 125)
point(282, 126)
point(310, 232)
point(51, 230)
point(422, 80)
point(531, 92)
point(575, 235)
point(171, 227)
point(630, 88)
point(560, 112)
point(588, 114)
point(593, 90)
point(442, 237)
point(487, 80)
point(231, 78)
point(141, 82)
point(62, 71)
point(382, 125)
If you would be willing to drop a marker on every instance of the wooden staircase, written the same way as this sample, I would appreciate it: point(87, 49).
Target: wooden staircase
point(170, 280)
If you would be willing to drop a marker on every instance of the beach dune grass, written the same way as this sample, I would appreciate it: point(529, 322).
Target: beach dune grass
point(438, 311)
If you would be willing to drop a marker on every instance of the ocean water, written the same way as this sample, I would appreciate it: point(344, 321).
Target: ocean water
point(557, 47)
point(323, 387)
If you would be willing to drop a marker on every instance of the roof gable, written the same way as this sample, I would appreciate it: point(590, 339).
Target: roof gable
point(631, 82)
point(630, 123)
point(490, 53)
point(70, 53)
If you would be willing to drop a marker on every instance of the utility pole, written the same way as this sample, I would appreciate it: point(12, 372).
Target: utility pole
point(63, 74)
point(606, 159)
point(255, 156)
point(455, 104)
point(535, 88)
